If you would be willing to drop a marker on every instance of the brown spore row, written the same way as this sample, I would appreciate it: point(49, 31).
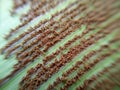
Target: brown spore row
point(55, 33)
point(86, 58)
point(86, 69)
point(77, 65)
point(110, 82)
point(55, 40)
point(53, 15)
point(28, 38)
point(99, 15)
point(66, 45)
point(30, 34)
point(41, 10)
point(110, 85)
point(50, 36)
point(45, 34)
point(56, 68)
point(35, 5)
point(21, 36)
point(39, 54)
point(55, 28)
point(33, 31)
point(53, 55)
point(58, 13)
point(19, 3)
point(25, 62)
point(67, 73)
point(13, 72)
point(87, 83)
point(13, 31)
point(69, 43)
point(53, 68)
point(47, 59)
point(38, 4)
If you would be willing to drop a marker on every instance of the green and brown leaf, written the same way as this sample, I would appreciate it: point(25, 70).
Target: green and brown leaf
point(59, 45)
